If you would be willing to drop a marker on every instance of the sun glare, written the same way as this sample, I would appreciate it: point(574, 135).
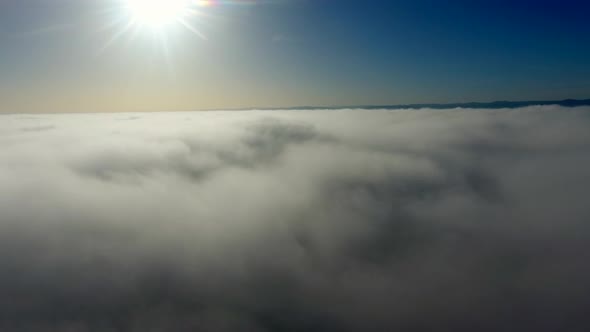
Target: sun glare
point(159, 18)
point(156, 13)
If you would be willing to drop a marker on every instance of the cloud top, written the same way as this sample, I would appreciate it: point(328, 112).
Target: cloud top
point(333, 220)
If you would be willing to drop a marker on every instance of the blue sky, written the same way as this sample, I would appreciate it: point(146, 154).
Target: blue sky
point(55, 55)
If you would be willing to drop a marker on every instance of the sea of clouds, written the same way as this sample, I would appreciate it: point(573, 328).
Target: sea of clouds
point(283, 221)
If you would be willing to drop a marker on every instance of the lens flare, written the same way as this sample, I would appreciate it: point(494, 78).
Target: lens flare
point(205, 3)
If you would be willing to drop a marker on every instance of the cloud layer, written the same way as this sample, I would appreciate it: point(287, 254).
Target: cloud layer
point(340, 220)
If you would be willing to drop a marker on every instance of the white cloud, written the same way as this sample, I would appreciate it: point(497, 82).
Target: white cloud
point(341, 220)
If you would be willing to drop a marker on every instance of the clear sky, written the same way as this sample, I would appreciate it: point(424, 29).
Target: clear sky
point(77, 55)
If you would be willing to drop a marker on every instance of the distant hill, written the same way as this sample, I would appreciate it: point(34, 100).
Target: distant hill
point(488, 105)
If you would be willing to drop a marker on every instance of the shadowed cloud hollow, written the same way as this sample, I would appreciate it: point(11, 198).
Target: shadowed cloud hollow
point(338, 220)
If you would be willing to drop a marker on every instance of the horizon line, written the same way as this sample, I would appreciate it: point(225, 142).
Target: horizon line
point(474, 104)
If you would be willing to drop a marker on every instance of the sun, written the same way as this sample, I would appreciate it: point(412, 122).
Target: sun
point(157, 13)
point(159, 18)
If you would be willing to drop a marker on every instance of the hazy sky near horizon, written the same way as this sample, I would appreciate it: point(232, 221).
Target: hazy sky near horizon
point(72, 55)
